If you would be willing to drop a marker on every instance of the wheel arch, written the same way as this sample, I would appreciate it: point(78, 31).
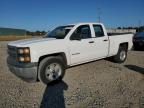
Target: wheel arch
point(125, 45)
point(61, 54)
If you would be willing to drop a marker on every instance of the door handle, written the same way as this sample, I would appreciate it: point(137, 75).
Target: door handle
point(105, 40)
point(91, 41)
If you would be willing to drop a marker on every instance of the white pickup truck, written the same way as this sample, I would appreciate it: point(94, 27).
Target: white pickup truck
point(46, 58)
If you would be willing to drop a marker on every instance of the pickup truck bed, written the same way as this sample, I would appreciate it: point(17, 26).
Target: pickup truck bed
point(125, 38)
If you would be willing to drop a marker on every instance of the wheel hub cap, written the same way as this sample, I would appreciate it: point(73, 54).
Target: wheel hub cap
point(53, 71)
point(123, 55)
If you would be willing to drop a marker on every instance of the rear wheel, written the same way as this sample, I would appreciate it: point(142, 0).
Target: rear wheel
point(51, 69)
point(121, 55)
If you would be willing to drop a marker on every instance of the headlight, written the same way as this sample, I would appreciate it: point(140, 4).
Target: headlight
point(23, 55)
point(23, 51)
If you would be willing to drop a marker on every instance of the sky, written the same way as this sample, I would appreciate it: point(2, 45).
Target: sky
point(47, 14)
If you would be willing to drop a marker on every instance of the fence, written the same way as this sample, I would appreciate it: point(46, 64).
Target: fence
point(121, 30)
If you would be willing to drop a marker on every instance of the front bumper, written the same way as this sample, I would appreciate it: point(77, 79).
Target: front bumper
point(25, 71)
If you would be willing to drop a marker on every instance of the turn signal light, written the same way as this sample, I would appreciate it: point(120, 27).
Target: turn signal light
point(24, 59)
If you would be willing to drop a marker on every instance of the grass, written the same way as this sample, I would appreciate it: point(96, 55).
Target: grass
point(12, 38)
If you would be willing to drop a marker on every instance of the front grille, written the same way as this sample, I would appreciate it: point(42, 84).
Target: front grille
point(12, 52)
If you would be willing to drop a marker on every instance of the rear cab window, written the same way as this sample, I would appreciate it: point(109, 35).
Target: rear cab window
point(98, 31)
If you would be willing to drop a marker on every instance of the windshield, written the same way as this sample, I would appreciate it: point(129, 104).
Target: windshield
point(59, 32)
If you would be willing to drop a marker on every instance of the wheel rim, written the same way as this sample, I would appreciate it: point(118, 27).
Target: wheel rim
point(53, 71)
point(122, 55)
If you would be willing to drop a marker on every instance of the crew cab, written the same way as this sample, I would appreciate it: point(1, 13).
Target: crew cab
point(45, 59)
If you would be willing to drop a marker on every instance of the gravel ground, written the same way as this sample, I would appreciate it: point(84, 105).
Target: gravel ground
point(99, 84)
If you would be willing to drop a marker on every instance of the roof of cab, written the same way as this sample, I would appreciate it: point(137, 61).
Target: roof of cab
point(85, 23)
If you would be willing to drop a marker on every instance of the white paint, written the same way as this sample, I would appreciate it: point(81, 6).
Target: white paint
point(76, 52)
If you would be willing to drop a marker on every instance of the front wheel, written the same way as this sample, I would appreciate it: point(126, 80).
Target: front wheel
point(121, 55)
point(51, 69)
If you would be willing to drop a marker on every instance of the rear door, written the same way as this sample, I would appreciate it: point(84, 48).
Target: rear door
point(101, 41)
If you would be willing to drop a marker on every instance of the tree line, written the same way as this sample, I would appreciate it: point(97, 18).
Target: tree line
point(36, 33)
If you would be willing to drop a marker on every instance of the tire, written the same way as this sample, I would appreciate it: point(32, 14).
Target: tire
point(121, 55)
point(47, 72)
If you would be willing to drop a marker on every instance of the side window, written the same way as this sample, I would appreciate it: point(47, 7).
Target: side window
point(98, 30)
point(83, 31)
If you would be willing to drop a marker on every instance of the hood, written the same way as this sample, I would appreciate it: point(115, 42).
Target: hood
point(29, 41)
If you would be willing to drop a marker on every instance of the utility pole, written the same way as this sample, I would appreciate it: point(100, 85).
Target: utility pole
point(99, 15)
point(139, 25)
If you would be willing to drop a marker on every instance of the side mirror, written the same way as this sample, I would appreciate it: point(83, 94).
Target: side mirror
point(75, 36)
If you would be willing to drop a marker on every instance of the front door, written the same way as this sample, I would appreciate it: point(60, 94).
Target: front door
point(83, 49)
